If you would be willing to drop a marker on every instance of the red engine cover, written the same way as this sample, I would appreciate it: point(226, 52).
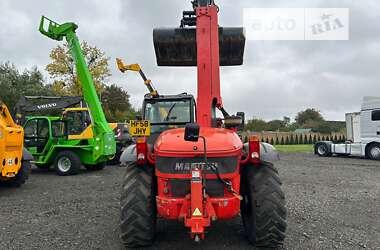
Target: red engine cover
point(220, 142)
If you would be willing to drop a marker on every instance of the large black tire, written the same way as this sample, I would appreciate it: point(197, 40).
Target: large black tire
point(22, 175)
point(373, 151)
point(67, 163)
point(263, 206)
point(322, 149)
point(138, 206)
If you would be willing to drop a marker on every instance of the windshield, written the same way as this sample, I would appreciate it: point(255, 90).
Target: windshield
point(168, 112)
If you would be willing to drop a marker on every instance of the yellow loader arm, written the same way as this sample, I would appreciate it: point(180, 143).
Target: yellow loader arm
point(136, 67)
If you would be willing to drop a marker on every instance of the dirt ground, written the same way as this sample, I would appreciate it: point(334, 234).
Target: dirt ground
point(333, 203)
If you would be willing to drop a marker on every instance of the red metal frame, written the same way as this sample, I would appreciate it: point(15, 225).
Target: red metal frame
point(197, 209)
point(208, 96)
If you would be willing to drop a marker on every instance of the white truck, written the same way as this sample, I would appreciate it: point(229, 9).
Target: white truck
point(363, 133)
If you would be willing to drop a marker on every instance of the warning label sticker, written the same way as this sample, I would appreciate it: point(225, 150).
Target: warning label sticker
point(197, 212)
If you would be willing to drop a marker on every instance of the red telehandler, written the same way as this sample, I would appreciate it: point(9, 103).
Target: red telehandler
point(202, 172)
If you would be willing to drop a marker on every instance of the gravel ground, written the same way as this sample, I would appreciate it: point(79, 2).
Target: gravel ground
point(333, 203)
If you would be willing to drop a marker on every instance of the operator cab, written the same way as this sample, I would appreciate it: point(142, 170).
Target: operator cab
point(39, 131)
point(168, 112)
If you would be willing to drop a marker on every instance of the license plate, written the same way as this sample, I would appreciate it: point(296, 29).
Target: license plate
point(139, 128)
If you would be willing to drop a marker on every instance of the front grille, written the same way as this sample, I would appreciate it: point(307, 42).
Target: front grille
point(176, 165)
point(181, 187)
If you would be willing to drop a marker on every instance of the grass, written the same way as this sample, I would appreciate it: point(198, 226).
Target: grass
point(302, 148)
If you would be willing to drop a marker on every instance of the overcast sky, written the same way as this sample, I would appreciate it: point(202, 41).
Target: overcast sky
point(278, 78)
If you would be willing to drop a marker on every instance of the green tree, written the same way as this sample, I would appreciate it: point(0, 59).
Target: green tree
point(275, 125)
point(14, 84)
point(308, 115)
point(256, 124)
point(116, 104)
point(63, 72)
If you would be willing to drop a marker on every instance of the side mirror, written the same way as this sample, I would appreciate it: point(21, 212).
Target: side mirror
point(191, 132)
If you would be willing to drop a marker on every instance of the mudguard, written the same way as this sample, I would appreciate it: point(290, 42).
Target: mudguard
point(128, 155)
point(26, 155)
point(268, 153)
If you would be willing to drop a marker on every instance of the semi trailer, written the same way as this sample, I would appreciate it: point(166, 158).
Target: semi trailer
point(363, 133)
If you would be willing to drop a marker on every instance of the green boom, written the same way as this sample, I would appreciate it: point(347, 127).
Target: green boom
point(103, 135)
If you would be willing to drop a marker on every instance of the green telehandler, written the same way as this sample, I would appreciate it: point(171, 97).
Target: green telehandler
point(48, 138)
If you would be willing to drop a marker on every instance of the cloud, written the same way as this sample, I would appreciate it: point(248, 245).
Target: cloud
point(279, 78)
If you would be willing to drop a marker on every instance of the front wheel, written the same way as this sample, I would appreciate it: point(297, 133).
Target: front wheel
point(138, 206)
point(67, 163)
point(373, 151)
point(322, 149)
point(263, 207)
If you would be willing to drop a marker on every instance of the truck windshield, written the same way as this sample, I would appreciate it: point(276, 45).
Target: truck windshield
point(168, 112)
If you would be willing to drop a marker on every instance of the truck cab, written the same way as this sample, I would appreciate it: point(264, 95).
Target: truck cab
point(363, 133)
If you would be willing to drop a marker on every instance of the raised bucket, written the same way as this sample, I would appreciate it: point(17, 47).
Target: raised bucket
point(178, 47)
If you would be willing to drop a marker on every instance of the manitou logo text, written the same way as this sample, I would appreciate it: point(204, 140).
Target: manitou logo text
point(328, 23)
point(47, 105)
point(187, 166)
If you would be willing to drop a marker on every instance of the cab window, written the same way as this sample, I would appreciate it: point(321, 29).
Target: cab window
point(77, 122)
point(376, 115)
point(164, 112)
point(37, 128)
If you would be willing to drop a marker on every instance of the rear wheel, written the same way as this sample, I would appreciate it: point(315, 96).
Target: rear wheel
point(263, 207)
point(22, 175)
point(138, 206)
point(373, 151)
point(67, 163)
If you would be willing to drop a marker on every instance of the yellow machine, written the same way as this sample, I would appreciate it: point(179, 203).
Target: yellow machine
point(136, 67)
point(14, 160)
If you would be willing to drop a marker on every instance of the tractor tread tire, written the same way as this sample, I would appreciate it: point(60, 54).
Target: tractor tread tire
point(75, 163)
point(138, 207)
point(264, 214)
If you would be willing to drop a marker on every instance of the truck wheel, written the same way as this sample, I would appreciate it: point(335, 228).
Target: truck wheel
point(67, 163)
point(373, 151)
point(96, 167)
point(322, 150)
point(263, 206)
point(22, 175)
point(138, 206)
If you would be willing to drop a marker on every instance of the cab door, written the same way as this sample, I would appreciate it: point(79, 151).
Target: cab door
point(36, 135)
